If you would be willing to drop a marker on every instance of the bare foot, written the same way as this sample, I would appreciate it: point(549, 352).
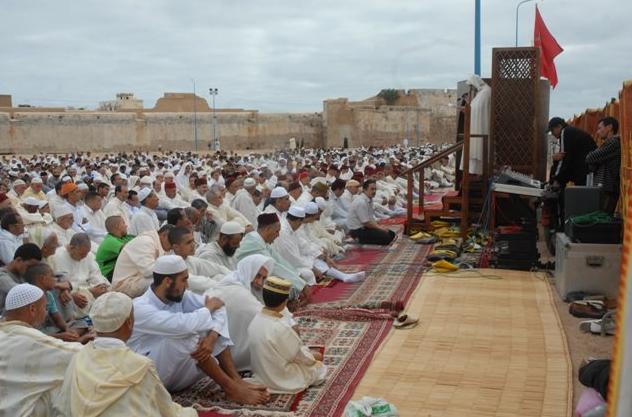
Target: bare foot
point(257, 387)
point(317, 355)
point(241, 394)
point(239, 380)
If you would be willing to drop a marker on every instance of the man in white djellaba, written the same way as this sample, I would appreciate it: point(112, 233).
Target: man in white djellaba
point(186, 335)
point(32, 363)
point(278, 356)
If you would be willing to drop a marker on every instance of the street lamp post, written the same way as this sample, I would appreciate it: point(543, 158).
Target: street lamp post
point(477, 37)
point(213, 92)
point(195, 131)
point(517, 11)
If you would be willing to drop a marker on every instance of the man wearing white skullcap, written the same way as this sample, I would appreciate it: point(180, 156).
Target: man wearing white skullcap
point(145, 219)
point(62, 227)
point(279, 202)
point(313, 231)
point(307, 257)
point(35, 190)
point(244, 202)
point(32, 363)
point(108, 379)
point(222, 250)
point(16, 194)
point(186, 335)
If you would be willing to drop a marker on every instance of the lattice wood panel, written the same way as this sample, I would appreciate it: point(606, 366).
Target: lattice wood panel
point(515, 115)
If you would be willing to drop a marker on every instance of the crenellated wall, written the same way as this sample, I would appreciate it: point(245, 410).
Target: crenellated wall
point(170, 125)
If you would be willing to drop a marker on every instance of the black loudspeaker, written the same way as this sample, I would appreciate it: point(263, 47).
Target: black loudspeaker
point(580, 200)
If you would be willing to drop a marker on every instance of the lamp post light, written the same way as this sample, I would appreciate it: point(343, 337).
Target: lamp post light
point(517, 11)
point(213, 92)
point(195, 130)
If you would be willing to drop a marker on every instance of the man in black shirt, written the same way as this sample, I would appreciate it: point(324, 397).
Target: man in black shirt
point(569, 165)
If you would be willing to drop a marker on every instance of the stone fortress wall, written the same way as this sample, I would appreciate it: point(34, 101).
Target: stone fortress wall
point(170, 125)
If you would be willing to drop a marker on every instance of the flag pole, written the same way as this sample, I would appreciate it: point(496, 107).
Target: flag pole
point(518, 11)
point(477, 37)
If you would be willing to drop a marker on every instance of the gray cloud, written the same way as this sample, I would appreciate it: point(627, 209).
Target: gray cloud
point(289, 56)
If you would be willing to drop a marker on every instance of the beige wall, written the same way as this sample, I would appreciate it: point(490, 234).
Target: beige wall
point(363, 123)
point(118, 131)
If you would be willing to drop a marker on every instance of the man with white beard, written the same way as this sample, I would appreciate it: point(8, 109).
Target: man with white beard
point(243, 201)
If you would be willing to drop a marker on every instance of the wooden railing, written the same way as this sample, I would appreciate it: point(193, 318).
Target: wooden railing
point(465, 184)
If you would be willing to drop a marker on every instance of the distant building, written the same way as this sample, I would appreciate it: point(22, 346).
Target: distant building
point(124, 101)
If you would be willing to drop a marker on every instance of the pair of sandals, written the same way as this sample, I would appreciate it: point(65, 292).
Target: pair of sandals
point(404, 321)
point(605, 326)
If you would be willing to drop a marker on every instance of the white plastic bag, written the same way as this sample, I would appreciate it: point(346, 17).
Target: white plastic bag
point(370, 407)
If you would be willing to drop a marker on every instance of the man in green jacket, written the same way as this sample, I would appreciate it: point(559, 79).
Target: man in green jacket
point(111, 247)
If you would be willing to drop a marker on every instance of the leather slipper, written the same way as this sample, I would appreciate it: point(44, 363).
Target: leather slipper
point(405, 321)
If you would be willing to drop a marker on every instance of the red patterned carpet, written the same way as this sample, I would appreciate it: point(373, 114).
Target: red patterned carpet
point(349, 348)
point(349, 320)
point(390, 282)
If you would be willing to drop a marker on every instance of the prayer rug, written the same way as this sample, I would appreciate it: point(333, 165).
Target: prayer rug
point(388, 285)
point(349, 349)
point(489, 343)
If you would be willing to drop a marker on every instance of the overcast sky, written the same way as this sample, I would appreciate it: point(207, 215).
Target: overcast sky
point(287, 56)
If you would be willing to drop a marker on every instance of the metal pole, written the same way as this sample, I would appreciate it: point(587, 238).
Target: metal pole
point(214, 122)
point(213, 92)
point(195, 131)
point(477, 38)
point(517, 11)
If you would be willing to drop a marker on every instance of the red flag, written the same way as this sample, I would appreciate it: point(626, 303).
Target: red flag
point(549, 48)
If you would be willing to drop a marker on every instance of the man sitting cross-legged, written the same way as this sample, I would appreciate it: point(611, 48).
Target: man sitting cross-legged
point(186, 335)
point(306, 257)
point(32, 363)
point(107, 379)
point(278, 356)
point(260, 242)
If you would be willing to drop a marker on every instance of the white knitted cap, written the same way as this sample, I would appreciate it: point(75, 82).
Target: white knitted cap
point(297, 211)
point(62, 210)
point(278, 192)
point(144, 193)
point(170, 265)
point(109, 311)
point(22, 295)
point(148, 180)
point(311, 208)
point(250, 182)
point(31, 201)
point(232, 228)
